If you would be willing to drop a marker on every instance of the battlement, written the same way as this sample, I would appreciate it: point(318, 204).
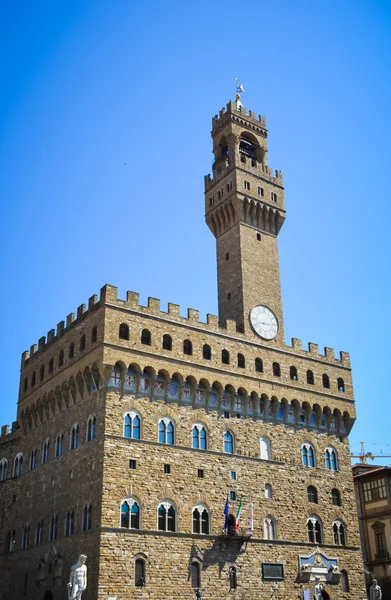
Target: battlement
point(260, 170)
point(236, 108)
point(109, 296)
point(6, 432)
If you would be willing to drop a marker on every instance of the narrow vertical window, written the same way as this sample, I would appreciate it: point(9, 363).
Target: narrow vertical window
point(206, 352)
point(228, 442)
point(325, 380)
point(276, 370)
point(91, 428)
point(94, 334)
point(123, 333)
point(146, 337)
point(139, 573)
point(225, 357)
point(258, 365)
point(167, 342)
point(195, 575)
point(187, 347)
point(82, 345)
point(310, 377)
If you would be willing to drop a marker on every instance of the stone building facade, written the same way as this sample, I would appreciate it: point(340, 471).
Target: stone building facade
point(141, 434)
point(373, 494)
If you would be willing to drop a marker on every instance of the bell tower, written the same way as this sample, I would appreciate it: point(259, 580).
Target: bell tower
point(244, 209)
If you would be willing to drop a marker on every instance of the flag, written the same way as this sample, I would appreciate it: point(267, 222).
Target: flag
point(237, 525)
point(252, 517)
point(226, 515)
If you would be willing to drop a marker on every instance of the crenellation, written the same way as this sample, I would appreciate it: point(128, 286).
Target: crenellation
point(212, 321)
point(154, 305)
point(133, 299)
point(329, 353)
point(60, 328)
point(50, 336)
point(4, 430)
point(41, 342)
point(81, 310)
point(313, 348)
point(108, 294)
point(345, 358)
point(33, 349)
point(92, 301)
point(70, 319)
point(193, 315)
point(25, 356)
point(297, 344)
point(237, 109)
point(173, 309)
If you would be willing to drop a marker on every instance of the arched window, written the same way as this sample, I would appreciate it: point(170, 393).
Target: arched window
point(39, 533)
point(325, 380)
point(195, 573)
point(10, 541)
point(206, 352)
point(51, 365)
point(26, 384)
point(33, 379)
point(26, 537)
point(269, 528)
point(258, 365)
point(166, 432)
point(132, 426)
point(146, 337)
point(33, 460)
point(276, 370)
point(199, 437)
point(86, 524)
point(42, 372)
point(241, 361)
point(232, 578)
point(310, 377)
point(45, 452)
point(69, 523)
point(53, 529)
point(314, 530)
point(166, 517)
point(18, 462)
point(200, 520)
point(340, 384)
point(82, 345)
point(268, 490)
point(335, 497)
point(265, 450)
point(225, 357)
point(74, 437)
point(228, 442)
point(344, 581)
point(312, 494)
point(61, 358)
point(187, 347)
point(139, 572)
point(94, 334)
point(124, 331)
point(3, 469)
point(339, 533)
point(167, 342)
point(130, 513)
point(59, 447)
point(293, 373)
point(71, 350)
point(331, 460)
point(308, 455)
point(91, 428)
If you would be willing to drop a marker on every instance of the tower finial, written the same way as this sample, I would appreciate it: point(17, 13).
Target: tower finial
point(239, 90)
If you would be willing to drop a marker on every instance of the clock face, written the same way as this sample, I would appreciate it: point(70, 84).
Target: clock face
point(264, 322)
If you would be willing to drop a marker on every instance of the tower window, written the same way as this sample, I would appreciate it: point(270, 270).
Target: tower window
point(82, 343)
point(293, 373)
point(206, 352)
point(94, 334)
point(241, 361)
point(314, 530)
point(61, 358)
point(276, 370)
point(71, 351)
point(258, 236)
point(258, 365)
point(325, 380)
point(33, 378)
point(25, 384)
point(146, 337)
point(132, 464)
point(166, 517)
point(232, 578)
point(167, 342)
point(340, 384)
point(187, 347)
point(229, 186)
point(225, 357)
point(229, 295)
point(51, 365)
point(42, 372)
point(139, 579)
point(227, 256)
point(124, 331)
point(261, 191)
point(167, 469)
point(246, 185)
point(200, 473)
point(335, 497)
point(312, 494)
point(195, 575)
point(273, 196)
point(310, 377)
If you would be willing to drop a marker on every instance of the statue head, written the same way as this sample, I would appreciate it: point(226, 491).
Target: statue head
point(374, 582)
point(82, 559)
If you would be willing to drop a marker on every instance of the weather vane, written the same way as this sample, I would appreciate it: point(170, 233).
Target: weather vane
point(239, 89)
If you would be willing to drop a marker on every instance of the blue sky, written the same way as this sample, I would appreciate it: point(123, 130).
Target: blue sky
point(89, 86)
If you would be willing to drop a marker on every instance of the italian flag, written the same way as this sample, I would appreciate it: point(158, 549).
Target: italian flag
point(237, 524)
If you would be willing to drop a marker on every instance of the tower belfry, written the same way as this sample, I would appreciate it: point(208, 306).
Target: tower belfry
point(244, 208)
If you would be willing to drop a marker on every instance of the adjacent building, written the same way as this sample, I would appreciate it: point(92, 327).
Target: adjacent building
point(178, 454)
point(373, 493)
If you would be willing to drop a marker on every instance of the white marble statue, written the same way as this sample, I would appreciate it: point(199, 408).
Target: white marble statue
point(375, 591)
point(78, 579)
point(318, 589)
